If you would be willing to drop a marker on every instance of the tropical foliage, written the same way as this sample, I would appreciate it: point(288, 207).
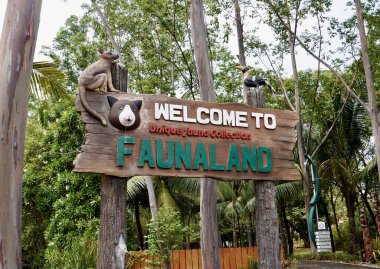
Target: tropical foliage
point(61, 208)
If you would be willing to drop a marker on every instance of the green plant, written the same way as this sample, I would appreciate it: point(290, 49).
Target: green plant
point(134, 257)
point(81, 253)
point(375, 243)
point(304, 254)
point(166, 232)
point(252, 263)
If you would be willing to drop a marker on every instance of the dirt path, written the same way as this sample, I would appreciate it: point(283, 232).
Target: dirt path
point(329, 265)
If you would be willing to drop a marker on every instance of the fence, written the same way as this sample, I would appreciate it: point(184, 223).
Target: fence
point(230, 258)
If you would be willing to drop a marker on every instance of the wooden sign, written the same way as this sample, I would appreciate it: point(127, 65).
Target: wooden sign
point(165, 136)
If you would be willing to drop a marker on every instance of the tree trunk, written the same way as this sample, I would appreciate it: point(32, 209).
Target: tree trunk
point(373, 112)
point(267, 229)
point(287, 229)
point(151, 196)
point(350, 199)
point(249, 235)
point(139, 226)
point(17, 45)
point(112, 235)
point(208, 212)
point(267, 233)
point(300, 143)
point(209, 224)
point(336, 219)
point(110, 36)
point(234, 237)
point(284, 240)
point(112, 224)
point(240, 38)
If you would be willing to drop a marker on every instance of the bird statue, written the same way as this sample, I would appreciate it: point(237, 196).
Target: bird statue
point(251, 81)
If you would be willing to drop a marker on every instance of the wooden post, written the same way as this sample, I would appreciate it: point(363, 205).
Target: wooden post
point(112, 233)
point(17, 45)
point(208, 212)
point(267, 230)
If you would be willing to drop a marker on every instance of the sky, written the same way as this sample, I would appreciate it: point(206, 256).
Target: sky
point(54, 13)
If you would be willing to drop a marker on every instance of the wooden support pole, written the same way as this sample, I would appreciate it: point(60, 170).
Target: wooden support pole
point(208, 211)
point(112, 232)
point(267, 230)
point(17, 45)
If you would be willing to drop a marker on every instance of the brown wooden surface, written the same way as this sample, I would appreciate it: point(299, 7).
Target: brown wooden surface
point(112, 220)
point(99, 154)
point(17, 45)
point(112, 206)
point(195, 258)
point(175, 259)
point(191, 258)
point(182, 259)
point(233, 258)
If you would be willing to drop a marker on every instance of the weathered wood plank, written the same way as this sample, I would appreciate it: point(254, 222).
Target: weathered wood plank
point(239, 258)
point(195, 258)
point(182, 259)
point(99, 154)
point(225, 252)
point(244, 256)
point(232, 258)
point(175, 259)
point(199, 259)
point(189, 259)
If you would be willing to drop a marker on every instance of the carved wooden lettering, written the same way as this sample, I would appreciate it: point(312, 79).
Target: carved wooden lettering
point(184, 138)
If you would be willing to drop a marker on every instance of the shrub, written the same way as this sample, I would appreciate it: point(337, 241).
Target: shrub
point(166, 232)
point(81, 253)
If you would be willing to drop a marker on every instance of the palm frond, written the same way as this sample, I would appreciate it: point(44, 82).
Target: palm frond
point(369, 171)
point(288, 190)
point(135, 186)
point(47, 80)
point(164, 196)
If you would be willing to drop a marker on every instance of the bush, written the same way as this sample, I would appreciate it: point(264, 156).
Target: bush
point(81, 253)
point(252, 263)
point(166, 232)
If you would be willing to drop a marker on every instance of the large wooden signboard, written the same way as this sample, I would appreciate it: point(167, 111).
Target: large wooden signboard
point(184, 138)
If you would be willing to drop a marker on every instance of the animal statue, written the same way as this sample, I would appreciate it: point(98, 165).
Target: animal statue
point(251, 81)
point(124, 114)
point(97, 76)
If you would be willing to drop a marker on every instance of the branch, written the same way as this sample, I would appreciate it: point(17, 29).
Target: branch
point(188, 83)
point(275, 71)
point(331, 127)
point(350, 91)
point(281, 83)
point(318, 78)
point(173, 34)
point(108, 31)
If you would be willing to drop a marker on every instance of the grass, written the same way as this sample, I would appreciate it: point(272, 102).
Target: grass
point(340, 256)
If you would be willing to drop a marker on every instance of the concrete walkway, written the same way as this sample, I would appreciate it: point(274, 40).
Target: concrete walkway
point(330, 265)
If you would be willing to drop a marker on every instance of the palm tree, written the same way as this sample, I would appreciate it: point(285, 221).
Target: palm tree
point(341, 164)
point(286, 193)
point(47, 80)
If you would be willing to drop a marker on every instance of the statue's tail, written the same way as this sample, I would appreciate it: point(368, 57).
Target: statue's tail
point(90, 110)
